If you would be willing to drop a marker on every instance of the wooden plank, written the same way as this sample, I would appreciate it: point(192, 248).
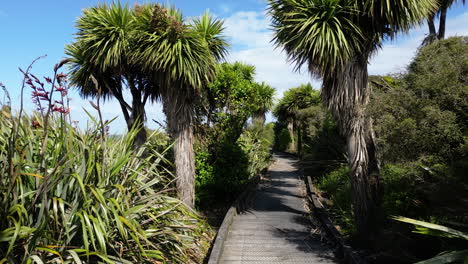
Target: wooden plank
point(237, 207)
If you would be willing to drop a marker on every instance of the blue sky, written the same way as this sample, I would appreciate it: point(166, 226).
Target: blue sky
point(31, 28)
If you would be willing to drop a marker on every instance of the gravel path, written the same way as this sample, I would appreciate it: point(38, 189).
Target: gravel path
point(274, 228)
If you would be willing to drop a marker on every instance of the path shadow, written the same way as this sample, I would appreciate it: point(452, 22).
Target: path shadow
point(280, 195)
point(303, 241)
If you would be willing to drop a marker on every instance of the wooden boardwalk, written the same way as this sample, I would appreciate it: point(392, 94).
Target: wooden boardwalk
point(275, 228)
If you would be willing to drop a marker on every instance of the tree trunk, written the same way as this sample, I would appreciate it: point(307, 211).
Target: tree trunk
point(299, 139)
point(433, 36)
point(292, 143)
point(259, 118)
point(365, 180)
point(442, 20)
point(347, 95)
point(180, 120)
point(137, 114)
point(430, 23)
point(432, 31)
point(137, 121)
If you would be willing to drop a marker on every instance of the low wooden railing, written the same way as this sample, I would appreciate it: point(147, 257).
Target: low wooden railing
point(236, 208)
point(319, 212)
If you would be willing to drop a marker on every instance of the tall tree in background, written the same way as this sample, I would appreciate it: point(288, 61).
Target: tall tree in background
point(335, 39)
point(155, 54)
point(265, 102)
point(444, 5)
point(102, 55)
point(181, 58)
point(287, 110)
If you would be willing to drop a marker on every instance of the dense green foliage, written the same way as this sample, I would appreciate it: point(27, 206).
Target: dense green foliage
point(221, 177)
point(432, 120)
point(228, 154)
point(315, 132)
point(420, 120)
point(76, 196)
point(282, 137)
point(293, 112)
point(230, 100)
point(422, 115)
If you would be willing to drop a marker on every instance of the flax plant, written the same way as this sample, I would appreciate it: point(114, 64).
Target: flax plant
point(98, 201)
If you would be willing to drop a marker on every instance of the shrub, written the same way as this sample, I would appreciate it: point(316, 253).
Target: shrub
point(439, 73)
point(401, 184)
point(257, 142)
point(158, 141)
point(284, 139)
point(223, 173)
point(204, 177)
point(336, 186)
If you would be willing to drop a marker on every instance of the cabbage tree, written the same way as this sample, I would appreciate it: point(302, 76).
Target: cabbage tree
point(101, 62)
point(335, 40)
point(181, 58)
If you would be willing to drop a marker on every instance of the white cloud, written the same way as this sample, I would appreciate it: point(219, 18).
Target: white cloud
point(251, 36)
point(248, 29)
point(225, 8)
point(394, 57)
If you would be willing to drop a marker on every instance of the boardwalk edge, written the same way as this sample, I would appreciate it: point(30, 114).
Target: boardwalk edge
point(237, 207)
point(320, 213)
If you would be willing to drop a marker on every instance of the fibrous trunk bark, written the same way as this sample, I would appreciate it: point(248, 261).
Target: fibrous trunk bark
point(137, 121)
point(259, 118)
point(347, 95)
point(136, 118)
point(365, 180)
point(299, 139)
point(180, 125)
point(292, 143)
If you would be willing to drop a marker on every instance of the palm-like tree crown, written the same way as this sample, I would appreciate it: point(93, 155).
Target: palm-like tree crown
point(105, 30)
point(102, 48)
point(295, 99)
point(150, 40)
point(326, 34)
point(179, 54)
point(317, 32)
point(211, 30)
point(265, 95)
